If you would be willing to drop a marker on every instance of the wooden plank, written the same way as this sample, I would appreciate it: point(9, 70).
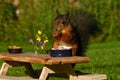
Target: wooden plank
point(15, 78)
point(4, 69)
point(67, 60)
point(24, 57)
point(42, 58)
point(44, 73)
point(92, 77)
point(60, 68)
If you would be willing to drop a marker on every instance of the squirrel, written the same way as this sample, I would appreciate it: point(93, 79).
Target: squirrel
point(74, 31)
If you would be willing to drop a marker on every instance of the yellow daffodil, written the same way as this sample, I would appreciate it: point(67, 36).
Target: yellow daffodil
point(38, 39)
point(42, 47)
point(45, 41)
point(39, 32)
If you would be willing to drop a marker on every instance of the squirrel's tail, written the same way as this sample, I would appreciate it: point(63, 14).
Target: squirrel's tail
point(85, 26)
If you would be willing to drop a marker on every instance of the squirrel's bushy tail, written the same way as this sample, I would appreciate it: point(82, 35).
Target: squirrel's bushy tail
point(85, 25)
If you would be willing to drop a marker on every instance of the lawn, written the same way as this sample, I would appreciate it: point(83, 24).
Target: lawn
point(104, 59)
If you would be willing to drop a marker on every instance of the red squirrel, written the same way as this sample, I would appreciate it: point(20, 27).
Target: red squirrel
point(73, 33)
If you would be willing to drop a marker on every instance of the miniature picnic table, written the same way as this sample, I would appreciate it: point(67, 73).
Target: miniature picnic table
point(51, 64)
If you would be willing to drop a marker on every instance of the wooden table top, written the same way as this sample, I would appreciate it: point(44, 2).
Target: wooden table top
point(41, 58)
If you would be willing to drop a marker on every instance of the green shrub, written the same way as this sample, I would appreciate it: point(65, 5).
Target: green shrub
point(39, 14)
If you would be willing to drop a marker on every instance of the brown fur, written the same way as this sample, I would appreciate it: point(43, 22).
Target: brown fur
point(63, 32)
point(74, 32)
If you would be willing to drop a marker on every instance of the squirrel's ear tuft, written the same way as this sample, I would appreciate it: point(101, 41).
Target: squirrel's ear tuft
point(57, 12)
point(67, 14)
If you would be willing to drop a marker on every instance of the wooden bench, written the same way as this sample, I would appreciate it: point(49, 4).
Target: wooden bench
point(80, 77)
point(92, 77)
point(15, 78)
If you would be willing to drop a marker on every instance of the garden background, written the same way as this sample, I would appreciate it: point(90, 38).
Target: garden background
point(20, 19)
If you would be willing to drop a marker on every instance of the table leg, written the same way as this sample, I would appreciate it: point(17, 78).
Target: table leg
point(27, 66)
point(44, 73)
point(4, 69)
point(30, 70)
point(70, 72)
point(59, 68)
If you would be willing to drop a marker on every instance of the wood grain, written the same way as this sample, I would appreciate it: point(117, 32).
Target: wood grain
point(42, 58)
point(15, 78)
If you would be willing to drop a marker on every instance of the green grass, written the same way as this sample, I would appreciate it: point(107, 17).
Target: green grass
point(39, 14)
point(104, 59)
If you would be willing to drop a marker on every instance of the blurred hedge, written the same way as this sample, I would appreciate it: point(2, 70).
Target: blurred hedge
point(39, 14)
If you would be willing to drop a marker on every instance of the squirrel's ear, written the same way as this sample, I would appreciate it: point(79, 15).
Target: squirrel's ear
point(67, 14)
point(57, 12)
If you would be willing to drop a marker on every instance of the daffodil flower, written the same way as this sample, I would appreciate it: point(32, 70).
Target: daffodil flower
point(38, 39)
point(39, 32)
point(45, 41)
point(42, 47)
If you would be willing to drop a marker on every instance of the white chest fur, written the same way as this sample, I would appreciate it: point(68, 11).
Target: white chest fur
point(62, 46)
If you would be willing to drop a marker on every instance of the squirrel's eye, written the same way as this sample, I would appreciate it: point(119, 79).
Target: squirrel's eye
point(63, 22)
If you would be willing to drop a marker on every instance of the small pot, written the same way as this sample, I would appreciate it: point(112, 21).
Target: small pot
point(15, 51)
point(61, 53)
